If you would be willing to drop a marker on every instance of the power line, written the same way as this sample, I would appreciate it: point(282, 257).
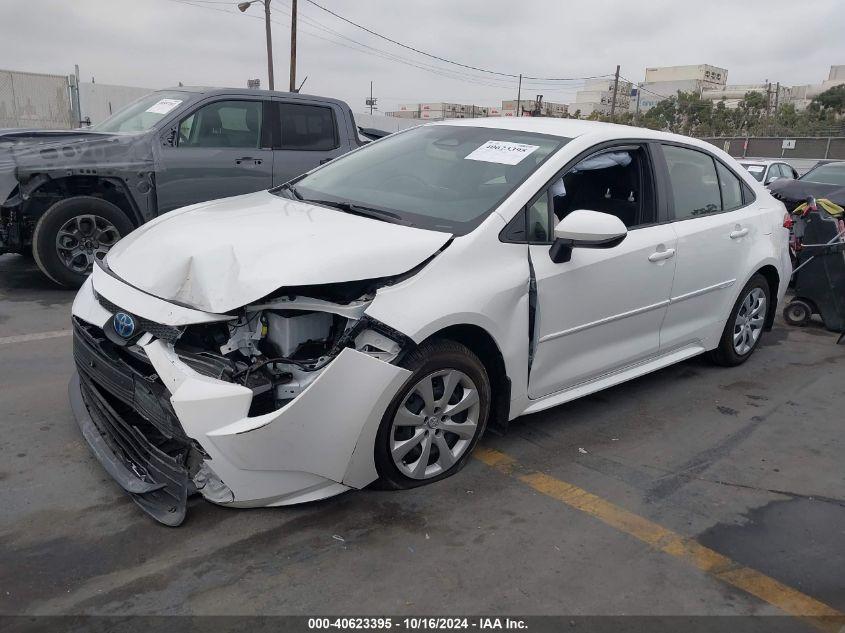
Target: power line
point(202, 4)
point(491, 82)
point(443, 59)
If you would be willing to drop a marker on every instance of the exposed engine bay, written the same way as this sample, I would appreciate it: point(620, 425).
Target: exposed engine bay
point(279, 347)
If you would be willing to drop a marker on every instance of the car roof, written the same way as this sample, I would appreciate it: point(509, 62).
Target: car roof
point(572, 128)
point(760, 161)
point(248, 92)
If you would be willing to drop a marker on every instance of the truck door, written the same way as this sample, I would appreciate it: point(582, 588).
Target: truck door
point(222, 150)
point(309, 134)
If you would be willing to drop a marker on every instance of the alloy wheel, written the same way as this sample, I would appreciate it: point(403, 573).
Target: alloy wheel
point(749, 321)
point(434, 424)
point(84, 238)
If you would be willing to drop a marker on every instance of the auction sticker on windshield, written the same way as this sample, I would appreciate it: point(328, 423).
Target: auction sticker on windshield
point(163, 106)
point(501, 152)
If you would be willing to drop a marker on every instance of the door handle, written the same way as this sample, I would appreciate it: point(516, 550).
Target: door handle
point(659, 256)
point(738, 233)
point(255, 161)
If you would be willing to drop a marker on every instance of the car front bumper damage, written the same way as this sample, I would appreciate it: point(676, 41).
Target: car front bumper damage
point(166, 431)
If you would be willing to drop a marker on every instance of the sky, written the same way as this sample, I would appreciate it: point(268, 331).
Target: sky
point(159, 43)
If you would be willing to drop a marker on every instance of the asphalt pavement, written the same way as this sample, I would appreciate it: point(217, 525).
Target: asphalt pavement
point(695, 490)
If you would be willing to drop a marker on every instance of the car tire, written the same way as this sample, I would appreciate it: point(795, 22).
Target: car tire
point(98, 225)
point(745, 325)
point(798, 313)
point(443, 364)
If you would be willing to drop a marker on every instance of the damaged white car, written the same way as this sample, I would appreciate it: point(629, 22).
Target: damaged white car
point(367, 321)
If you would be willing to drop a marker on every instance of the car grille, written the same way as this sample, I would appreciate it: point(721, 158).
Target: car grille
point(167, 333)
point(133, 416)
point(99, 361)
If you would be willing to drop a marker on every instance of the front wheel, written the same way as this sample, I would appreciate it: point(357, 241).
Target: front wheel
point(436, 419)
point(744, 328)
point(73, 233)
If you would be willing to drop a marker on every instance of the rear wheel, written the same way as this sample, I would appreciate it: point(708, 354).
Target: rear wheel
point(744, 328)
point(73, 233)
point(436, 419)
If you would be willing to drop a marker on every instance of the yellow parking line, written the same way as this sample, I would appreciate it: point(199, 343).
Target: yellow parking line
point(665, 540)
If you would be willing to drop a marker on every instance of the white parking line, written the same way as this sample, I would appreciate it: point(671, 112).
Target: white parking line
point(22, 338)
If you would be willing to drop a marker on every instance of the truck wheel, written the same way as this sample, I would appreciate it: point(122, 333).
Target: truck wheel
point(798, 313)
point(436, 419)
point(73, 233)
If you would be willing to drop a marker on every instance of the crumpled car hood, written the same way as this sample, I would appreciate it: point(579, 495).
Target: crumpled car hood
point(221, 255)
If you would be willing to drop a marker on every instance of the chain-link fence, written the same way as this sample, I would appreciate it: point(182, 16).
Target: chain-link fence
point(33, 100)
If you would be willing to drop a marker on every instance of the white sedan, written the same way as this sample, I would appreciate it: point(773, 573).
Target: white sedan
point(369, 320)
point(767, 171)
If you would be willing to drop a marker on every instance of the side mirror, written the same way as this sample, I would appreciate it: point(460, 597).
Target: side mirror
point(586, 229)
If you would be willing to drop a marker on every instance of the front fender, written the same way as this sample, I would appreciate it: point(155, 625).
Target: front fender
point(477, 281)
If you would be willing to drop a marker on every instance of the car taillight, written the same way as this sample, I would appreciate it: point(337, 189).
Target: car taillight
point(788, 221)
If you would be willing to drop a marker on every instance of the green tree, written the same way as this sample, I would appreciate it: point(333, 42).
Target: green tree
point(832, 99)
point(662, 116)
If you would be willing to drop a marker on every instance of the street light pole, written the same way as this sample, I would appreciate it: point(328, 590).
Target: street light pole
point(243, 6)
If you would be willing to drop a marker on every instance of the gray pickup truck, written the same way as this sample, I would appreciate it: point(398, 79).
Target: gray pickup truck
point(68, 196)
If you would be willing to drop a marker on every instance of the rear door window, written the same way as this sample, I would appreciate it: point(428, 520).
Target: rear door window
point(307, 127)
point(730, 186)
point(695, 186)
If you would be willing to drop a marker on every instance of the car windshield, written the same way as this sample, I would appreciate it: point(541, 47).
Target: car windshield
point(831, 174)
point(440, 177)
point(143, 114)
point(756, 171)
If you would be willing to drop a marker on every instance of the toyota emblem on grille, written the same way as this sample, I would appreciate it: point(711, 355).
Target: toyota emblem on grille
point(124, 324)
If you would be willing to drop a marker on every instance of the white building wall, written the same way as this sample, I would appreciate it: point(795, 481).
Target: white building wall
point(733, 94)
point(701, 72)
point(597, 96)
point(98, 102)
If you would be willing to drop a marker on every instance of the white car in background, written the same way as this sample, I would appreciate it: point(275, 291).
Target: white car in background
point(367, 321)
point(767, 171)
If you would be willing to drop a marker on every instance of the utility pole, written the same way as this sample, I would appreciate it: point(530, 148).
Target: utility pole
point(292, 44)
point(518, 94)
point(768, 98)
point(372, 100)
point(637, 111)
point(615, 90)
point(269, 44)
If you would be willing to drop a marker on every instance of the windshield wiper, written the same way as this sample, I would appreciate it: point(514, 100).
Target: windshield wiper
point(290, 187)
point(357, 209)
